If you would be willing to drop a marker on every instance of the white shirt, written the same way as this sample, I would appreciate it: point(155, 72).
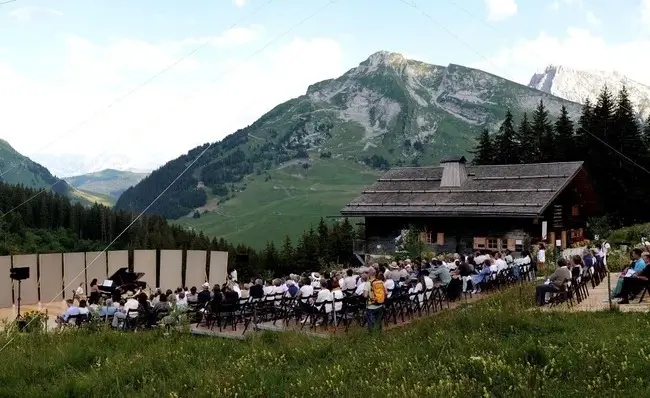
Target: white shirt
point(131, 304)
point(428, 282)
point(306, 291)
point(417, 289)
point(541, 256)
point(501, 265)
point(80, 291)
point(390, 285)
point(361, 287)
point(83, 311)
point(324, 295)
point(338, 305)
point(181, 302)
point(236, 289)
point(350, 282)
point(268, 290)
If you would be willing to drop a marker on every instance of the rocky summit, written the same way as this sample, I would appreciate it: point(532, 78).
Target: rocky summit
point(385, 112)
point(577, 85)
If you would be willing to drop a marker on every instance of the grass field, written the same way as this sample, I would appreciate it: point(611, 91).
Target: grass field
point(88, 197)
point(494, 348)
point(292, 200)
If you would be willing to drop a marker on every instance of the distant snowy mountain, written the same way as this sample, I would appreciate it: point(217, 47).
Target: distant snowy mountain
point(69, 165)
point(577, 85)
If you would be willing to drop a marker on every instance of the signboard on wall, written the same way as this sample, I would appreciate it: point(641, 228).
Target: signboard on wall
point(544, 230)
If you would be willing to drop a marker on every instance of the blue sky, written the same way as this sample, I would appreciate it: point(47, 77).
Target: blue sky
point(65, 60)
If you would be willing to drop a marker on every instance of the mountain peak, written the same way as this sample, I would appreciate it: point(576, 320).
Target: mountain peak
point(386, 58)
point(577, 85)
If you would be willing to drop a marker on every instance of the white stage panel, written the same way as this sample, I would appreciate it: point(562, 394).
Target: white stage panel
point(51, 277)
point(95, 268)
point(195, 274)
point(29, 287)
point(116, 260)
point(171, 268)
point(5, 282)
point(145, 261)
point(218, 267)
point(73, 272)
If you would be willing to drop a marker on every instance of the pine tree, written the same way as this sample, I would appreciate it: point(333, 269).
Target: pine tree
point(543, 134)
point(602, 162)
point(565, 138)
point(625, 136)
point(646, 134)
point(323, 241)
point(484, 152)
point(528, 149)
point(270, 256)
point(506, 147)
point(582, 137)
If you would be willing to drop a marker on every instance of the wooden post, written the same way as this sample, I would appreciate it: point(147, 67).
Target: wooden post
point(563, 238)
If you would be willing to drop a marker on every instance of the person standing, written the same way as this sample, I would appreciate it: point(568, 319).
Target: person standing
point(375, 292)
point(541, 256)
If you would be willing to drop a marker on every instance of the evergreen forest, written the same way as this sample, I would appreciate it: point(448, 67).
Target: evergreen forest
point(608, 137)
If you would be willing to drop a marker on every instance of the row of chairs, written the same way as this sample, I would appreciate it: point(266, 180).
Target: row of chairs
point(575, 290)
point(344, 311)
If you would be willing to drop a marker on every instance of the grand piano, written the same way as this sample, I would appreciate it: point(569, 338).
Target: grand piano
point(121, 282)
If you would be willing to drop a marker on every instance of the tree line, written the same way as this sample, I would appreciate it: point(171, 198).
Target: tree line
point(42, 221)
point(609, 137)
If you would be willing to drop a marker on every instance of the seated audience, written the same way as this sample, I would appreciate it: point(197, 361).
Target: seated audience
point(108, 309)
point(204, 295)
point(635, 283)
point(71, 311)
point(554, 283)
point(257, 290)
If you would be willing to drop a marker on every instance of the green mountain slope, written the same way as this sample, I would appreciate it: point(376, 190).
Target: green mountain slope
point(18, 169)
point(388, 111)
point(109, 183)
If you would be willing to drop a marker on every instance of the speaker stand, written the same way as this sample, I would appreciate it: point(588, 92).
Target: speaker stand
point(18, 300)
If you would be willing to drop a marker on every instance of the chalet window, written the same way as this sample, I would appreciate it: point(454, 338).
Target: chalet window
point(440, 238)
point(426, 237)
point(504, 243)
point(479, 243)
point(575, 211)
point(492, 244)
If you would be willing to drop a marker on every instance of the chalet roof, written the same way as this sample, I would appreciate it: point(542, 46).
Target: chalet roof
point(517, 190)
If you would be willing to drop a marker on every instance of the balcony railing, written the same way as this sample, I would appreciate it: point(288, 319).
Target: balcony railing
point(374, 246)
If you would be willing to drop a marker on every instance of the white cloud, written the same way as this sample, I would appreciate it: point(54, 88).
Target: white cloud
point(239, 3)
point(579, 48)
point(29, 13)
point(557, 4)
point(592, 19)
point(500, 9)
point(174, 113)
point(91, 62)
point(644, 9)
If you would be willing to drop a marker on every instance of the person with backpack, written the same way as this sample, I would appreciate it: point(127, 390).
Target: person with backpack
point(375, 292)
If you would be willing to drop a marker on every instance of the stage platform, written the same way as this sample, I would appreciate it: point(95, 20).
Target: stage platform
point(53, 310)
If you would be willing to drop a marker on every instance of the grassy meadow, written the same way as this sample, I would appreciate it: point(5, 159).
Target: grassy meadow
point(287, 203)
point(495, 347)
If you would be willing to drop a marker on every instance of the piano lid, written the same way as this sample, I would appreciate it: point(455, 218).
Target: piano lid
point(123, 276)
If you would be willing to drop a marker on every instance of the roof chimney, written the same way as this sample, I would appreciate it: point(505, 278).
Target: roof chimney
point(454, 172)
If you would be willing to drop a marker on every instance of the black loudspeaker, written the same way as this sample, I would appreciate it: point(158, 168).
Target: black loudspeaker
point(241, 259)
point(19, 274)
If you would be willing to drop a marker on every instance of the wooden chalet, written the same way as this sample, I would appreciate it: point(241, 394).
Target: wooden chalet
point(464, 208)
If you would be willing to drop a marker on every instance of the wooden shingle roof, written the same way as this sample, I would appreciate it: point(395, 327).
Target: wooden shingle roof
point(519, 190)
